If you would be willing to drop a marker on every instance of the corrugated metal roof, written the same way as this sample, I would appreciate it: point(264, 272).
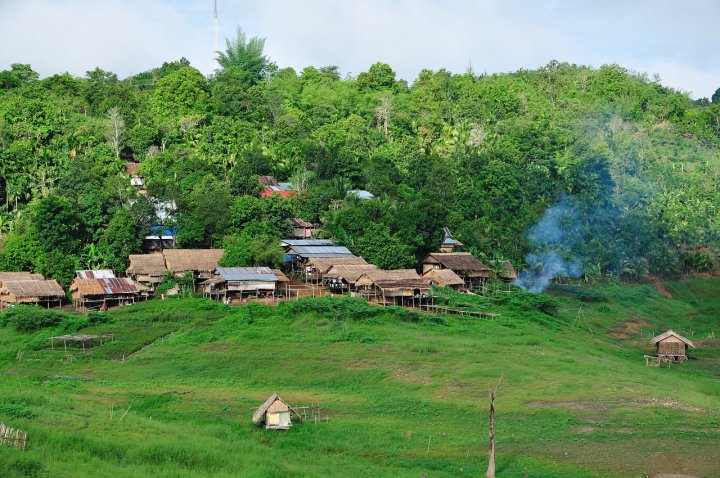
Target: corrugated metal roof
point(122, 285)
point(246, 274)
point(306, 251)
point(307, 242)
point(361, 193)
point(96, 274)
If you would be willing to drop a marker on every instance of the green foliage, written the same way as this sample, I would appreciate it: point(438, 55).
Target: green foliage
point(29, 318)
point(252, 249)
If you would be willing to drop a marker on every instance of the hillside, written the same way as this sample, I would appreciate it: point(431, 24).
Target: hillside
point(405, 392)
point(632, 164)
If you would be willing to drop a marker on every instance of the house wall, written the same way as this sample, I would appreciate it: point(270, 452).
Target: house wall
point(671, 346)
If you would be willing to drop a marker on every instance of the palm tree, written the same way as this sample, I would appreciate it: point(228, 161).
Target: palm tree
point(245, 55)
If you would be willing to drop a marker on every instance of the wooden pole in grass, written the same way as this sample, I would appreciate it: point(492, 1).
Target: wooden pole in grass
point(491, 459)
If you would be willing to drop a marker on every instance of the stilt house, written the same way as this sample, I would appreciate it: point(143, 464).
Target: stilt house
point(275, 414)
point(445, 278)
point(301, 255)
point(201, 262)
point(448, 243)
point(343, 278)
point(474, 273)
point(101, 289)
point(402, 287)
point(672, 346)
point(230, 283)
point(31, 291)
point(147, 269)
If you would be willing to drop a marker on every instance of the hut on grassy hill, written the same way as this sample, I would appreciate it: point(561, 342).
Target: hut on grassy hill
point(38, 292)
point(445, 278)
point(101, 289)
point(201, 262)
point(302, 255)
point(473, 272)
point(147, 269)
point(403, 287)
point(507, 272)
point(275, 414)
point(672, 346)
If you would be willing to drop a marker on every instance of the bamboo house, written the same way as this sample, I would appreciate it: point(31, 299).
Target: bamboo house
point(474, 273)
point(275, 414)
point(672, 346)
point(34, 291)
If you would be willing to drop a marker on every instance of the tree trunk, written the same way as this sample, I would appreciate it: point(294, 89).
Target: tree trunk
point(491, 458)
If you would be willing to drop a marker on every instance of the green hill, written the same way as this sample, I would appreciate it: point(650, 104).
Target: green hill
point(406, 393)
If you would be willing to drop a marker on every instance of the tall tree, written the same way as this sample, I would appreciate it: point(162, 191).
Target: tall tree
point(247, 56)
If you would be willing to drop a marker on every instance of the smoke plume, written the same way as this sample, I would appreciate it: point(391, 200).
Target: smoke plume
point(553, 240)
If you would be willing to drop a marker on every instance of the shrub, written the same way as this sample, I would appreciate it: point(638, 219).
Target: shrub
point(29, 318)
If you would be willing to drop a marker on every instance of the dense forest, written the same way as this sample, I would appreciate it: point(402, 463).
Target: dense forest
point(631, 166)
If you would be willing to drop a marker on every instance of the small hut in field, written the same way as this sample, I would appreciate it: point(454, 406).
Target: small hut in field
point(672, 346)
point(507, 272)
point(275, 414)
point(37, 292)
point(147, 269)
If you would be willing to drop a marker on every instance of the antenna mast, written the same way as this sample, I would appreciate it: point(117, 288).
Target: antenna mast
point(215, 27)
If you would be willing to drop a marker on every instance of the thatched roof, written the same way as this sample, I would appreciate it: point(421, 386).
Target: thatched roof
point(33, 288)
point(105, 287)
point(281, 277)
point(349, 273)
point(457, 261)
point(259, 414)
point(376, 275)
point(324, 264)
point(509, 272)
point(671, 333)
point(181, 260)
point(444, 277)
point(147, 264)
point(20, 276)
point(419, 283)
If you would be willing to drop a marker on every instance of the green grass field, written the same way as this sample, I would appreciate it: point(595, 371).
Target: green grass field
point(406, 392)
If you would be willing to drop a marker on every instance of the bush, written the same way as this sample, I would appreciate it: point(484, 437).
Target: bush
point(29, 318)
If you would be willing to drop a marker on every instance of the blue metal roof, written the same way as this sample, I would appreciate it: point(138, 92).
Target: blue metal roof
point(310, 251)
point(361, 193)
point(246, 274)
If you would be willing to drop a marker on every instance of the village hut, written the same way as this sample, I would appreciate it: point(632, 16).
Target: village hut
point(445, 278)
point(449, 244)
point(507, 272)
point(101, 289)
point(273, 188)
point(275, 414)
point(147, 269)
point(473, 272)
point(230, 283)
point(201, 262)
point(403, 287)
point(160, 238)
point(361, 194)
point(342, 278)
point(302, 229)
point(302, 254)
point(672, 346)
point(38, 292)
point(19, 276)
point(282, 286)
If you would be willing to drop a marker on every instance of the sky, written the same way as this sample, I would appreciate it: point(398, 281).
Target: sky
point(675, 40)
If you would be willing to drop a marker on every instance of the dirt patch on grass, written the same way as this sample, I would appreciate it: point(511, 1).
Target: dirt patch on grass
point(362, 364)
point(628, 328)
point(406, 373)
point(584, 429)
point(598, 406)
point(662, 290)
point(604, 405)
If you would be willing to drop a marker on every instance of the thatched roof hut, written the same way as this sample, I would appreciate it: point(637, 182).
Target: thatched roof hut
point(445, 278)
point(200, 261)
point(508, 274)
point(150, 265)
point(275, 413)
point(672, 346)
point(31, 292)
point(89, 292)
point(464, 264)
point(400, 287)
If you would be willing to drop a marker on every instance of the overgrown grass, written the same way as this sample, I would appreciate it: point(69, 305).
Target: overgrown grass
point(406, 392)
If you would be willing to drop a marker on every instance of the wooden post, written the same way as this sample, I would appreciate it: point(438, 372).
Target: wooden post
point(491, 460)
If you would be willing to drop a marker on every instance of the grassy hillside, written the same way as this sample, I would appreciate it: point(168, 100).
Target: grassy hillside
point(406, 392)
